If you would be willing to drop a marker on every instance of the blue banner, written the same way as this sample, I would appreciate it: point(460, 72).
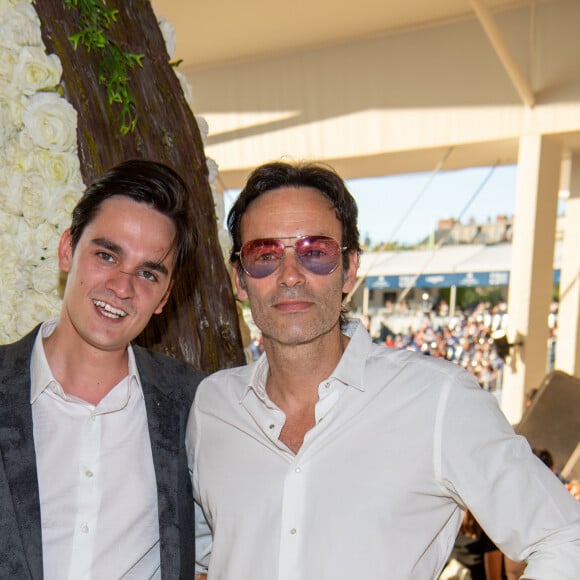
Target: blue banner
point(460, 280)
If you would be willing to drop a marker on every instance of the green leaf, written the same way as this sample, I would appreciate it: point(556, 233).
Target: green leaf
point(116, 64)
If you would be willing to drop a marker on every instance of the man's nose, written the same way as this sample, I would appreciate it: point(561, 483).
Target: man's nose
point(121, 283)
point(291, 271)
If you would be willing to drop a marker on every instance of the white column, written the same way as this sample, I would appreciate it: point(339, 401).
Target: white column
point(568, 339)
point(365, 305)
point(452, 300)
point(531, 279)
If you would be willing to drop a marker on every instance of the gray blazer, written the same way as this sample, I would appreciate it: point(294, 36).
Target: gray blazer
point(168, 387)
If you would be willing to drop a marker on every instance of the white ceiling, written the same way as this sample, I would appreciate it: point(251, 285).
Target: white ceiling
point(224, 31)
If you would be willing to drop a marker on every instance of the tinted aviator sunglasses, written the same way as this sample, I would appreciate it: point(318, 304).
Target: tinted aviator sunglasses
point(318, 254)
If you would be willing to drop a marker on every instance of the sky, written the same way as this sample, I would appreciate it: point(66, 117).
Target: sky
point(407, 208)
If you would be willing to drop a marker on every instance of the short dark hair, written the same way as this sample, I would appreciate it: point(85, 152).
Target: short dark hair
point(143, 181)
point(545, 456)
point(275, 175)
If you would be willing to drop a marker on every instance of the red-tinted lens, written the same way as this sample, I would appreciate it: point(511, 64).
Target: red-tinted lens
point(261, 257)
point(318, 254)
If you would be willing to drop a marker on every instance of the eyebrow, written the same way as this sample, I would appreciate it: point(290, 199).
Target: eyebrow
point(117, 249)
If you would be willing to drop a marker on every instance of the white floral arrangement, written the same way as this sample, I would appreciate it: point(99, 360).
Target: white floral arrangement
point(40, 178)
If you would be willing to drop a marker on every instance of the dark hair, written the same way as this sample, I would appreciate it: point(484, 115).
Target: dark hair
point(545, 456)
point(275, 175)
point(143, 181)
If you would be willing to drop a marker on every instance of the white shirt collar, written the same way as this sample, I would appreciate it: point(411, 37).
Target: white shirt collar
point(350, 368)
point(41, 376)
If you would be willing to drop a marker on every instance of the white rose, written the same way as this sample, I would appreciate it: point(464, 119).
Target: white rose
point(8, 58)
point(10, 192)
point(7, 126)
point(203, 127)
point(45, 276)
point(46, 240)
point(57, 167)
point(9, 4)
point(12, 281)
point(51, 122)
point(8, 226)
point(63, 201)
point(168, 33)
point(35, 197)
point(36, 70)
point(11, 107)
point(28, 253)
point(185, 87)
point(19, 153)
point(8, 256)
point(33, 309)
point(20, 26)
point(212, 169)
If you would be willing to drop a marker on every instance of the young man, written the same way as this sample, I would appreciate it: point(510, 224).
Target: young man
point(93, 471)
point(333, 458)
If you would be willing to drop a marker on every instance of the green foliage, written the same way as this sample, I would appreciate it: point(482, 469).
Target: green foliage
point(116, 63)
point(491, 294)
point(391, 247)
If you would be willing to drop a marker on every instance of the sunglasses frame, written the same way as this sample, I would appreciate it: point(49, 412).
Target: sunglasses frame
point(341, 250)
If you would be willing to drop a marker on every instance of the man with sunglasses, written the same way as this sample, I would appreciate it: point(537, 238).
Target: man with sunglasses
point(333, 458)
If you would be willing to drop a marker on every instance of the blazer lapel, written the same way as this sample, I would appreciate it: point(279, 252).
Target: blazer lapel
point(19, 492)
point(165, 434)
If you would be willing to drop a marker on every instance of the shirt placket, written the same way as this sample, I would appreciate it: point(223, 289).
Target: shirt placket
point(88, 497)
point(294, 499)
point(292, 528)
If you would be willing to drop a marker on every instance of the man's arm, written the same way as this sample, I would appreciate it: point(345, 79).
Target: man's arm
point(519, 502)
point(492, 564)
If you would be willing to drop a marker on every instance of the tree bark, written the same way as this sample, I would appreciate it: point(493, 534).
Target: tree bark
point(200, 323)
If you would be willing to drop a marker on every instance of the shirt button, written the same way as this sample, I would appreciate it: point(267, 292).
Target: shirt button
point(92, 417)
point(327, 386)
point(293, 531)
point(89, 473)
point(85, 529)
point(298, 470)
point(271, 426)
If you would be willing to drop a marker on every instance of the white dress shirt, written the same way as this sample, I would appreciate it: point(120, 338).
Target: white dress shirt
point(402, 443)
point(98, 493)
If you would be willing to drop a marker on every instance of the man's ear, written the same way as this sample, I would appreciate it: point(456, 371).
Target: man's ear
point(350, 272)
point(65, 251)
point(240, 280)
point(164, 300)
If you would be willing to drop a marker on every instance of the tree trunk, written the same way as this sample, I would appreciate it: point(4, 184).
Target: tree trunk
point(200, 322)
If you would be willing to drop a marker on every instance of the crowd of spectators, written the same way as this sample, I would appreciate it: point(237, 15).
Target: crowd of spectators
point(464, 338)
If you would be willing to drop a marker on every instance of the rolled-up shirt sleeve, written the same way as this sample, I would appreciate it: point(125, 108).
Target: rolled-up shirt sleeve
point(519, 502)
